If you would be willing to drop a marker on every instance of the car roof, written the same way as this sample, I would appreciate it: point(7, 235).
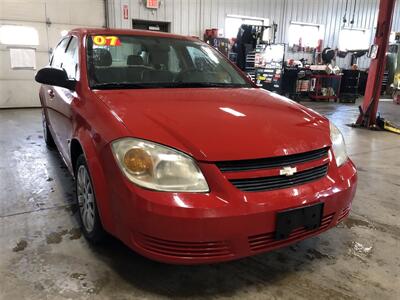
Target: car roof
point(133, 32)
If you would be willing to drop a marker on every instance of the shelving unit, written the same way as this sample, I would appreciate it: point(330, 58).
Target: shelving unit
point(323, 87)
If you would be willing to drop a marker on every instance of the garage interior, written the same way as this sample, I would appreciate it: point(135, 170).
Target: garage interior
point(326, 55)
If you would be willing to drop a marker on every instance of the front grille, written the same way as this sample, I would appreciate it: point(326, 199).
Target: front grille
point(184, 249)
point(271, 162)
point(281, 181)
point(267, 240)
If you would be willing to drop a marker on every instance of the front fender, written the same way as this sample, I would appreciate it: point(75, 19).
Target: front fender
point(94, 127)
point(90, 150)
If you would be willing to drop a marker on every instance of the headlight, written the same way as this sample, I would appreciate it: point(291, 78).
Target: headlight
point(158, 167)
point(338, 145)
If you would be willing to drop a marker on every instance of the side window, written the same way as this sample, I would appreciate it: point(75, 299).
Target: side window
point(71, 59)
point(59, 53)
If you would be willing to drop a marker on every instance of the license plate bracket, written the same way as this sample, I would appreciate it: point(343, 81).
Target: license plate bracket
point(308, 217)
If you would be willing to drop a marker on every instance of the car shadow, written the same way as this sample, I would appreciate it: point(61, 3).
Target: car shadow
point(61, 173)
point(222, 279)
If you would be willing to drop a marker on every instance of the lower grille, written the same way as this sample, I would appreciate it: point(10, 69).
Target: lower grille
point(345, 212)
point(184, 249)
point(281, 181)
point(264, 241)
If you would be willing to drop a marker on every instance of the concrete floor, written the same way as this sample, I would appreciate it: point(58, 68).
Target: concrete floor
point(43, 256)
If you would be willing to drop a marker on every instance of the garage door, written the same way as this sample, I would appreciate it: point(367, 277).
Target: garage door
point(29, 29)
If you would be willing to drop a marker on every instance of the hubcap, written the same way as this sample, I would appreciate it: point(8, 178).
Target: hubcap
point(85, 198)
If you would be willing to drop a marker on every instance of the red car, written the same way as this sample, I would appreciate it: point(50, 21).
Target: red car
point(178, 154)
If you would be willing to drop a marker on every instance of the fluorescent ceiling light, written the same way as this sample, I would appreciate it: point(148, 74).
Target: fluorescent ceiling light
point(266, 21)
point(305, 24)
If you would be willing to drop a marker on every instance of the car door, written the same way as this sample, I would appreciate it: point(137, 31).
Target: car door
point(48, 91)
point(60, 98)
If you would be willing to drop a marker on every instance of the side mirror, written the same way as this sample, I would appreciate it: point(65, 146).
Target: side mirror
point(55, 76)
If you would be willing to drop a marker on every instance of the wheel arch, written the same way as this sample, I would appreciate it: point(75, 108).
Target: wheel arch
point(75, 151)
point(83, 144)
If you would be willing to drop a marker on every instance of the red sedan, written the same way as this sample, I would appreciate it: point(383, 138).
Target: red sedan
point(175, 152)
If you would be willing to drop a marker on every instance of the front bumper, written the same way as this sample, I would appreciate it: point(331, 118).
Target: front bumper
point(225, 224)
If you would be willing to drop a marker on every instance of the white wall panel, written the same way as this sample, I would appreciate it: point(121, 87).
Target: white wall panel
point(42, 59)
point(25, 90)
point(22, 10)
point(17, 87)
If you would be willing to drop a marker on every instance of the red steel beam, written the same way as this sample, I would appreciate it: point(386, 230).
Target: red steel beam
point(369, 107)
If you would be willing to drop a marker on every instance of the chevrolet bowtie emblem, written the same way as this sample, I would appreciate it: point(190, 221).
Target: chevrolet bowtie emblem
point(287, 171)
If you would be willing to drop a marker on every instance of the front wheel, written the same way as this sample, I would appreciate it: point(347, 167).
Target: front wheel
point(86, 199)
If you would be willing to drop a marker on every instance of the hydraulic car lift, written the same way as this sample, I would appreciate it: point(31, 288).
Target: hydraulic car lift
point(369, 107)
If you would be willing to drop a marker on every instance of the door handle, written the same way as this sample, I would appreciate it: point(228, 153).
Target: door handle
point(51, 93)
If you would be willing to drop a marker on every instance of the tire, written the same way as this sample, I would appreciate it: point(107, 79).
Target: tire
point(89, 216)
point(48, 138)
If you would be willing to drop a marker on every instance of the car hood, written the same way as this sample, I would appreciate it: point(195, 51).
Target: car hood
point(215, 124)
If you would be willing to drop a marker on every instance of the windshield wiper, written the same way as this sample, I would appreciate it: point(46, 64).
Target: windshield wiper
point(121, 85)
point(179, 84)
point(148, 85)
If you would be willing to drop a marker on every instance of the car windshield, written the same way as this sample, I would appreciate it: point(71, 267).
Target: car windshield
point(126, 61)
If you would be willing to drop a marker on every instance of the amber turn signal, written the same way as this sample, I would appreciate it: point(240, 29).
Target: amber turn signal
point(138, 161)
